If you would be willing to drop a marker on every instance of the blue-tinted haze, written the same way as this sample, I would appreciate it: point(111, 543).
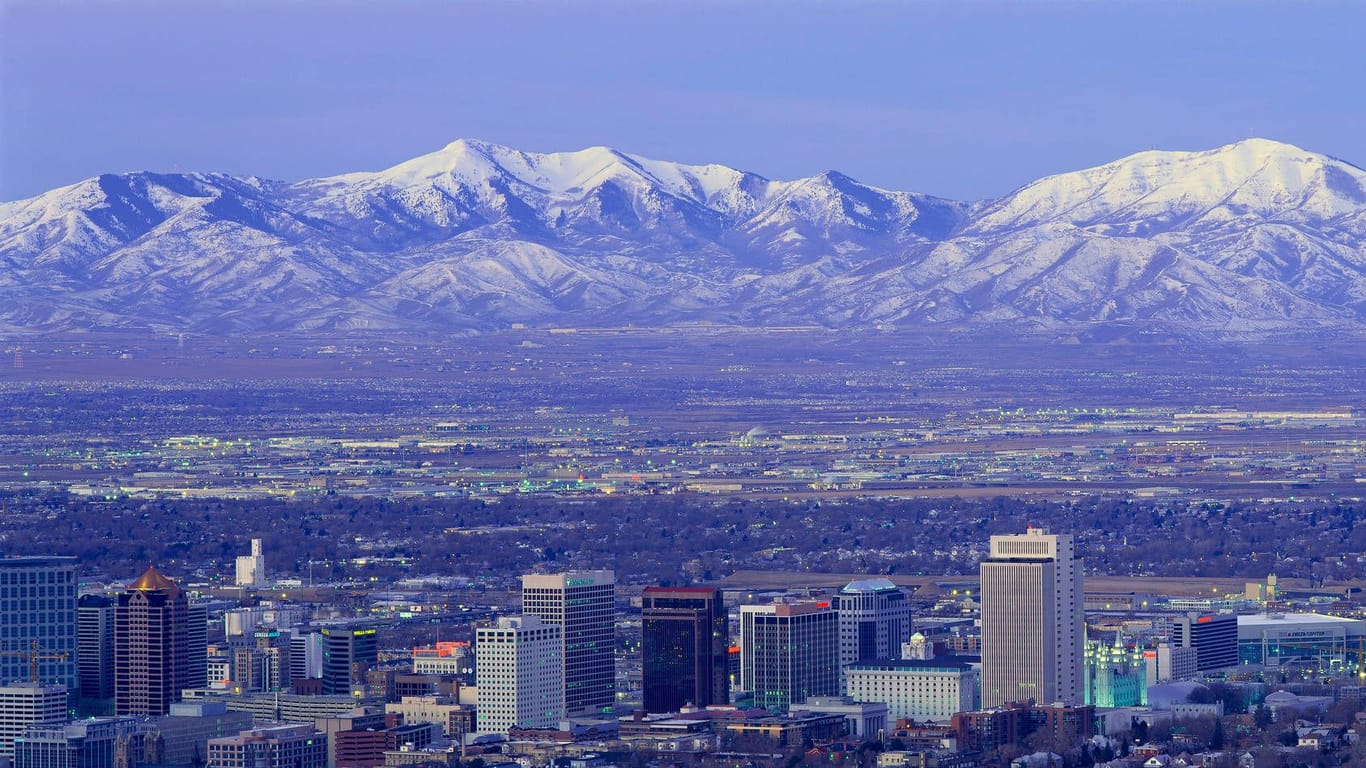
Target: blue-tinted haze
point(959, 99)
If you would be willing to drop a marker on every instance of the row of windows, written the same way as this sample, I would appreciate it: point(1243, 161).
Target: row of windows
point(34, 576)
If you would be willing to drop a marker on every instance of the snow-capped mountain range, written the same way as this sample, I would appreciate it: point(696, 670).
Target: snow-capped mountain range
point(1256, 235)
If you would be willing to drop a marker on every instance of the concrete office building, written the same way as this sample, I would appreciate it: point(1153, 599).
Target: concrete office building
point(789, 652)
point(924, 690)
point(106, 742)
point(152, 646)
point(245, 621)
point(1032, 633)
point(875, 619)
point(22, 706)
point(280, 707)
point(583, 605)
point(329, 726)
point(448, 657)
point(454, 718)
point(684, 648)
point(519, 665)
point(864, 720)
point(288, 746)
point(1169, 662)
point(38, 610)
point(307, 649)
point(182, 737)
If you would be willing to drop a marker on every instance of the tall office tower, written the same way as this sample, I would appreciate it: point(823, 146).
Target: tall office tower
point(38, 617)
point(1214, 636)
point(789, 652)
point(151, 646)
point(307, 648)
point(95, 647)
point(28, 704)
point(875, 619)
point(251, 569)
point(274, 647)
point(683, 648)
point(1031, 620)
point(583, 604)
point(348, 652)
point(518, 664)
point(197, 623)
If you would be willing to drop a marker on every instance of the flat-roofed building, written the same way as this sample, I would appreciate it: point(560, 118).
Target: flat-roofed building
point(1276, 638)
point(1214, 636)
point(923, 690)
point(38, 612)
point(1032, 634)
point(182, 737)
point(683, 648)
point(455, 719)
point(583, 605)
point(286, 746)
point(105, 742)
point(789, 652)
point(518, 666)
point(22, 706)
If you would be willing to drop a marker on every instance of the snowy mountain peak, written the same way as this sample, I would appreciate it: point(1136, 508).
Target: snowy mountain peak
point(1254, 177)
point(1255, 234)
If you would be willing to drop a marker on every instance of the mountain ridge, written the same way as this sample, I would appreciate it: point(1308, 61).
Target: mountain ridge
point(1248, 237)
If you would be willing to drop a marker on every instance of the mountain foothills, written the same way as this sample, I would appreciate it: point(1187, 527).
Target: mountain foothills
point(1256, 236)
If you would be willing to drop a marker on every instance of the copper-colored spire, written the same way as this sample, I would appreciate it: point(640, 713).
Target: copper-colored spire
point(153, 581)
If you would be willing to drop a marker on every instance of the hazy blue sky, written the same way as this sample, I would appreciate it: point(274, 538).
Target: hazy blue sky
point(963, 99)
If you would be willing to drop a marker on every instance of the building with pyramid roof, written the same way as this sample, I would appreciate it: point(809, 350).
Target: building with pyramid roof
point(154, 646)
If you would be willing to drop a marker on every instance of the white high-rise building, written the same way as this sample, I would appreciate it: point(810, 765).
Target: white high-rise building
point(1032, 632)
point(518, 666)
point(251, 569)
point(583, 604)
point(875, 619)
point(29, 704)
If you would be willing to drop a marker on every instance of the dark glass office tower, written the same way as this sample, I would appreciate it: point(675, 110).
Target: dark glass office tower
point(95, 647)
point(348, 652)
point(684, 646)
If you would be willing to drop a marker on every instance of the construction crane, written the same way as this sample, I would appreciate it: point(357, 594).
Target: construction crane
point(36, 654)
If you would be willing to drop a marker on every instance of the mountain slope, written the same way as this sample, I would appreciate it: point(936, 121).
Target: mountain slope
point(1251, 236)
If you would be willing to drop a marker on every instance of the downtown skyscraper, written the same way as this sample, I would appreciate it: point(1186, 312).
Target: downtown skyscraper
point(518, 666)
point(583, 605)
point(38, 616)
point(789, 652)
point(1032, 634)
point(684, 648)
point(154, 646)
point(875, 619)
